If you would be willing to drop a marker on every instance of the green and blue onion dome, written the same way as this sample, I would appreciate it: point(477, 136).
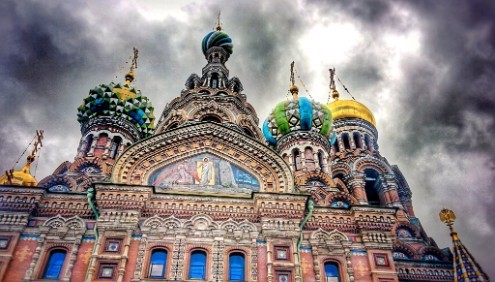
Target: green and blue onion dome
point(217, 38)
point(118, 100)
point(300, 113)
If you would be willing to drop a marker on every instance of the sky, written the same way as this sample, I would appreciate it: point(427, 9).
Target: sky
point(426, 69)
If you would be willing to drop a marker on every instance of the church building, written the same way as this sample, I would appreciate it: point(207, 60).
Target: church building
point(203, 193)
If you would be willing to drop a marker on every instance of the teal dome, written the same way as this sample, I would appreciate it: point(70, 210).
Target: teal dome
point(294, 115)
point(217, 39)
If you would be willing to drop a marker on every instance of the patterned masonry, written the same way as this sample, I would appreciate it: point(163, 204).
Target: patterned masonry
point(207, 195)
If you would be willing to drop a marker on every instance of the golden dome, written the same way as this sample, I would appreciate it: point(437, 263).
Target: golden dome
point(21, 177)
point(350, 109)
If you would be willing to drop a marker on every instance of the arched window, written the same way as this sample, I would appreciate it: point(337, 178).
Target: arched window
point(248, 132)
point(89, 141)
point(297, 159)
point(308, 157)
point(237, 265)
point(372, 186)
point(332, 273)
point(357, 140)
point(345, 139)
point(214, 80)
point(115, 147)
point(54, 264)
point(336, 146)
point(197, 266)
point(211, 118)
point(368, 142)
point(158, 263)
point(320, 160)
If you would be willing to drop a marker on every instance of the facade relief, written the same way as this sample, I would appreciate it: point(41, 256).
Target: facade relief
point(204, 172)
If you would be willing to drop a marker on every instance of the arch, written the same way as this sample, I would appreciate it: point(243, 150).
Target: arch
point(308, 177)
point(401, 247)
point(197, 264)
point(345, 141)
point(357, 140)
point(372, 187)
point(248, 132)
point(211, 117)
point(169, 147)
point(431, 253)
point(342, 196)
point(54, 264)
point(89, 142)
point(320, 160)
point(297, 159)
point(334, 235)
point(214, 80)
point(158, 263)
point(212, 108)
point(309, 159)
point(115, 147)
point(237, 266)
point(368, 162)
point(408, 226)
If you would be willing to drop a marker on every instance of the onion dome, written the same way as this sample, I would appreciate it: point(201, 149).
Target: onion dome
point(217, 38)
point(347, 108)
point(116, 100)
point(350, 109)
point(20, 177)
point(299, 113)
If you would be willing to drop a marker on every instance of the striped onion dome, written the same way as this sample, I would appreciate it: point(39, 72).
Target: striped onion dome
point(297, 114)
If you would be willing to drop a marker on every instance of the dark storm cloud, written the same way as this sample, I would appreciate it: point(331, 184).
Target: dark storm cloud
point(437, 123)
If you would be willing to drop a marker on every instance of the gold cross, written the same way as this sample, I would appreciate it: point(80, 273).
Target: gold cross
point(37, 142)
point(292, 80)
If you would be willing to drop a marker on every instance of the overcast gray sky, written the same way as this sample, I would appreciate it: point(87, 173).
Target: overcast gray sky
point(425, 68)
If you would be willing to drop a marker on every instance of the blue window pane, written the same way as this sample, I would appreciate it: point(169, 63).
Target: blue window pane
point(158, 264)
point(332, 272)
point(236, 267)
point(54, 265)
point(197, 269)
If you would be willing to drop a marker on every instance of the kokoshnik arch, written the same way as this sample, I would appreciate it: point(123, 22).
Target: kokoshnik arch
point(207, 195)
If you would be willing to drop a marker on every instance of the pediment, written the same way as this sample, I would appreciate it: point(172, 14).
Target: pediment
point(174, 160)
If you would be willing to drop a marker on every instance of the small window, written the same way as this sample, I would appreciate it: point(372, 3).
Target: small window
point(158, 264)
point(214, 80)
point(4, 242)
point(282, 253)
point(283, 276)
point(197, 267)
point(113, 245)
point(107, 271)
point(54, 265)
point(332, 273)
point(237, 265)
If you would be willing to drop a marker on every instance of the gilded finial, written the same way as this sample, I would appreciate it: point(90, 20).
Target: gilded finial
point(293, 89)
point(219, 23)
point(333, 88)
point(448, 217)
point(129, 77)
